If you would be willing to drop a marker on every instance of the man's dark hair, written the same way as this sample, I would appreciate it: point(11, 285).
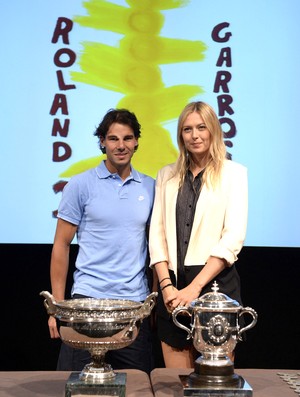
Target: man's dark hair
point(121, 116)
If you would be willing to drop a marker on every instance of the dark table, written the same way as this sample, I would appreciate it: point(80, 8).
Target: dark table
point(264, 382)
point(52, 384)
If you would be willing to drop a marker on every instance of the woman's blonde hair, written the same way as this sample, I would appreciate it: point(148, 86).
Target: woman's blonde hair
point(217, 150)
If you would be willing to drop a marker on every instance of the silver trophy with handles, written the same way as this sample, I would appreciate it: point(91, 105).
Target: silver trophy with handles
point(215, 330)
point(98, 325)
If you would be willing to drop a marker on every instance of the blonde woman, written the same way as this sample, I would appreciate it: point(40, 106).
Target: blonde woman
point(198, 225)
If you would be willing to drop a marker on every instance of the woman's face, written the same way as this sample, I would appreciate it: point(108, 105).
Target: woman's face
point(195, 135)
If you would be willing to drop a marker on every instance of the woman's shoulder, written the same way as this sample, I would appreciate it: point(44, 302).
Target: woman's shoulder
point(168, 171)
point(233, 166)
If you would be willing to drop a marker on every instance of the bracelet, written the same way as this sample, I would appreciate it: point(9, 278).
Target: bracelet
point(166, 278)
point(165, 286)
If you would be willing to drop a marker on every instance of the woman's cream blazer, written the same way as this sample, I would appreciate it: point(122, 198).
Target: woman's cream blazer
point(220, 220)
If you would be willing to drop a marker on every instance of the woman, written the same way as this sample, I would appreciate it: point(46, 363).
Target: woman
point(198, 225)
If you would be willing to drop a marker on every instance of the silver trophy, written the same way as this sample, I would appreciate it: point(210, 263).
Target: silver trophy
point(215, 331)
point(98, 325)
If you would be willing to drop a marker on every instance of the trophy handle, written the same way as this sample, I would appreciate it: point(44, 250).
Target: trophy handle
point(176, 322)
point(128, 333)
point(49, 302)
point(253, 313)
point(148, 305)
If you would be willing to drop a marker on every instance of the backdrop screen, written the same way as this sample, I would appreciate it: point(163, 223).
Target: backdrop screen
point(65, 63)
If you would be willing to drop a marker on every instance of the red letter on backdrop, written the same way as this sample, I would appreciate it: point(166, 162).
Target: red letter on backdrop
point(59, 101)
point(224, 102)
point(216, 33)
point(63, 28)
point(222, 79)
point(225, 57)
point(61, 82)
point(64, 64)
point(232, 128)
point(57, 128)
point(63, 157)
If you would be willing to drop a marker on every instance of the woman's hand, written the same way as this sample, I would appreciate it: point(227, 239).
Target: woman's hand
point(169, 295)
point(211, 269)
point(184, 296)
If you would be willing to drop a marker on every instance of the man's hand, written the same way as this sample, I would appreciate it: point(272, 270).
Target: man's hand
point(53, 327)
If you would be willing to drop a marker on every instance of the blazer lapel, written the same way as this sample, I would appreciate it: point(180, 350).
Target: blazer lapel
point(170, 210)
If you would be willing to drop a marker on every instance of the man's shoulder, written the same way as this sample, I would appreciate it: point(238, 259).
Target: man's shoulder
point(146, 179)
point(84, 178)
point(90, 173)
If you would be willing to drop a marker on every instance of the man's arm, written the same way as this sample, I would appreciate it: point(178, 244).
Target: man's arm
point(65, 232)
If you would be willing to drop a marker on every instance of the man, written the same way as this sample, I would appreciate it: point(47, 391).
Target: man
point(108, 208)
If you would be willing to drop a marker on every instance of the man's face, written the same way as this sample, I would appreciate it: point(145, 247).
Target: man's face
point(120, 144)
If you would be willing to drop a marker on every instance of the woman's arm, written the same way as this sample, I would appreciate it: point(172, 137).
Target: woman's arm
point(235, 217)
point(169, 292)
point(212, 268)
point(158, 243)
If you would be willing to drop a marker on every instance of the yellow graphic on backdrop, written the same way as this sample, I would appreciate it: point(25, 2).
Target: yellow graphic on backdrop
point(132, 68)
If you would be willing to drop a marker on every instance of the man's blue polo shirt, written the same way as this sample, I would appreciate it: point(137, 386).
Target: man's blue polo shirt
point(111, 215)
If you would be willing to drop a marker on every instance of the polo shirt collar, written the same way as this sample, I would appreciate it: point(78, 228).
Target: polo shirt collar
point(103, 172)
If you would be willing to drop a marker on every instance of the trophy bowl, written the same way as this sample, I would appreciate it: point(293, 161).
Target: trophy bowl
point(98, 325)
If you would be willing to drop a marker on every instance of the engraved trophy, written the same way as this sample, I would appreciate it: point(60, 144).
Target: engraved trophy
point(98, 325)
point(215, 331)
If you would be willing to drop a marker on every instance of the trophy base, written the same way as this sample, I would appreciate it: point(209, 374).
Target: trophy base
point(200, 388)
point(115, 386)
